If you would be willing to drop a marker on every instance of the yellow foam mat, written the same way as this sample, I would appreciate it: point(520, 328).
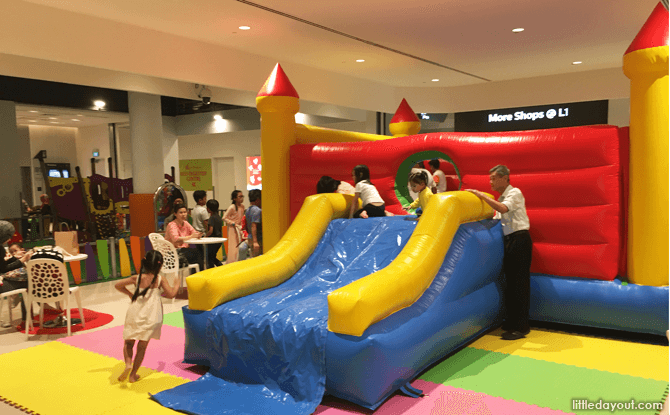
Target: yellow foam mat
point(626, 358)
point(56, 378)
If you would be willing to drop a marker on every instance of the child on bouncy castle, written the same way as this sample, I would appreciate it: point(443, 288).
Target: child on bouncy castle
point(418, 182)
point(373, 204)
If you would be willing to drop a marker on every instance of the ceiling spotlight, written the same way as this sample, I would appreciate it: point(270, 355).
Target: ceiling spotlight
point(74, 119)
point(32, 121)
point(53, 118)
point(245, 27)
point(360, 60)
point(99, 104)
point(577, 62)
point(218, 117)
point(54, 122)
point(518, 30)
point(32, 111)
point(435, 80)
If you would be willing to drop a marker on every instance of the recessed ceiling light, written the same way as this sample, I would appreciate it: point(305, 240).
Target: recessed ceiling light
point(32, 121)
point(360, 60)
point(54, 122)
point(74, 119)
point(32, 111)
point(577, 62)
point(99, 103)
point(53, 118)
point(435, 80)
point(244, 27)
point(518, 29)
point(218, 117)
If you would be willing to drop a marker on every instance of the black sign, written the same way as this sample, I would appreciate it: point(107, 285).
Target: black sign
point(532, 118)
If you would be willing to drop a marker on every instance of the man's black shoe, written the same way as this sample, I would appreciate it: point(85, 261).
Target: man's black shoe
point(514, 335)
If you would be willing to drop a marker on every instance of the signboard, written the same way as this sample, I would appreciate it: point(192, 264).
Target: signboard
point(533, 118)
point(195, 174)
point(254, 168)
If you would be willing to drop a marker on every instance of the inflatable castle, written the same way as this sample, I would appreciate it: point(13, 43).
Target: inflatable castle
point(358, 308)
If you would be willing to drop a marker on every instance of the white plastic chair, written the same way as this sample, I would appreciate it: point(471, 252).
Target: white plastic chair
point(48, 283)
point(8, 298)
point(171, 258)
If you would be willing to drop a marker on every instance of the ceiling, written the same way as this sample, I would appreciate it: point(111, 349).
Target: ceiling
point(403, 43)
point(65, 117)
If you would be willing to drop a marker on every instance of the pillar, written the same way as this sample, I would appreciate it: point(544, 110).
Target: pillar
point(278, 102)
point(10, 160)
point(146, 131)
point(646, 64)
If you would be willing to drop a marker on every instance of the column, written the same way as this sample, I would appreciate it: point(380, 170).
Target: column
point(146, 131)
point(10, 160)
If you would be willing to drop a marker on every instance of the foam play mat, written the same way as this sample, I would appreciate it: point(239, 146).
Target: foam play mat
point(542, 374)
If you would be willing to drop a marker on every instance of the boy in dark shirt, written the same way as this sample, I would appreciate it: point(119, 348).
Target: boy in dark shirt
point(214, 225)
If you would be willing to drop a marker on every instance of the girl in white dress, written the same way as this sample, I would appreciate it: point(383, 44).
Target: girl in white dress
point(144, 317)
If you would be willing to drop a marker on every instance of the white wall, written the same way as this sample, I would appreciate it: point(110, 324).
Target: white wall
point(618, 112)
point(123, 152)
point(238, 145)
point(60, 144)
point(88, 139)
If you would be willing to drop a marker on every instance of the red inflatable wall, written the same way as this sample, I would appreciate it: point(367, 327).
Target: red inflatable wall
point(571, 179)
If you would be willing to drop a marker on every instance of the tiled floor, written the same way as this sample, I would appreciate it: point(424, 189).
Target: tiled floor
point(100, 297)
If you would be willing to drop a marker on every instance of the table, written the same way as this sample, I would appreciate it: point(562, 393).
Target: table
point(205, 241)
point(78, 257)
point(61, 321)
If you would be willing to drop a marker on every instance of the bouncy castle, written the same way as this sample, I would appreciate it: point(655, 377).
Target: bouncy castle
point(357, 308)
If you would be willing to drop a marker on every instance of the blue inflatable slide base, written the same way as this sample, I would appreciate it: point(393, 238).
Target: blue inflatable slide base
point(271, 352)
point(602, 304)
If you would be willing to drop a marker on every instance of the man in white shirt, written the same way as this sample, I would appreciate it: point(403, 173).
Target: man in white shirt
point(438, 176)
point(511, 210)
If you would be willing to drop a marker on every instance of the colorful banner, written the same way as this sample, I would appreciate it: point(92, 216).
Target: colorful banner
point(195, 174)
point(254, 168)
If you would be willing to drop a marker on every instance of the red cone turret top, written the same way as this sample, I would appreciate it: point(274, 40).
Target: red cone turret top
point(278, 85)
point(404, 113)
point(654, 32)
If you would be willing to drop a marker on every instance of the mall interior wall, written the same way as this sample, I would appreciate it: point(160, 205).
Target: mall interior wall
point(89, 139)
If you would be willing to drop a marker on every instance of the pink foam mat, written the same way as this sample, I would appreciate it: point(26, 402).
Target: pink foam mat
point(164, 355)
point(440, 400)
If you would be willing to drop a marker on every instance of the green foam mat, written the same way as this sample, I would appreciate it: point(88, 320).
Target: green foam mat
point(536, 382)
point(175, 319)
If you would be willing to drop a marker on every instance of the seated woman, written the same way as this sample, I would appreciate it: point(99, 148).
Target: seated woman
point(11, 267)
point(171, 216)
point(178, 231)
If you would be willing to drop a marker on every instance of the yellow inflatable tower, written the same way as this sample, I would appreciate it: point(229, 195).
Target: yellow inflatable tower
point(404, 121)
point(645, 63)
point(278, 102)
